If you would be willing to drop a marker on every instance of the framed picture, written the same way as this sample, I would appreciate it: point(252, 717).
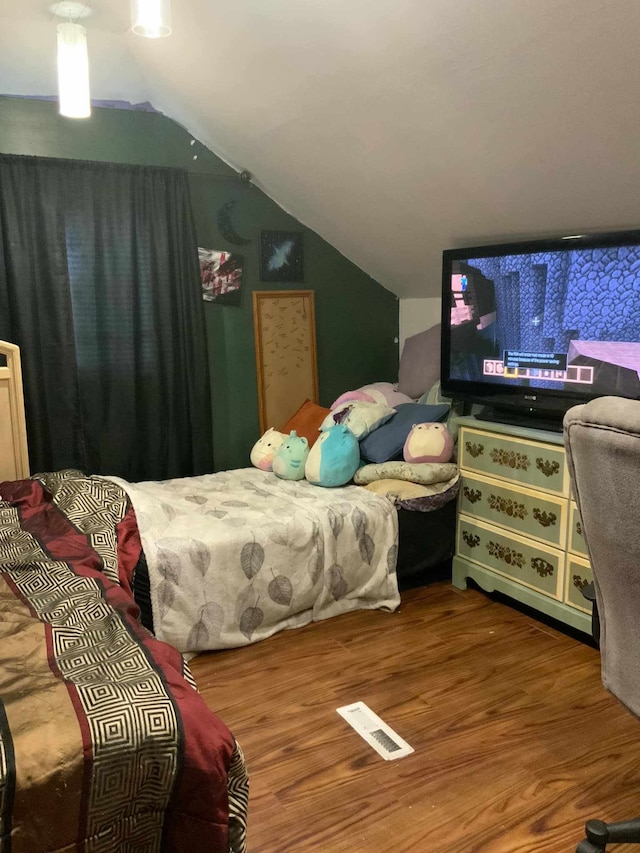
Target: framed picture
point(284, 327)
point(281, 256)
point(220, 275)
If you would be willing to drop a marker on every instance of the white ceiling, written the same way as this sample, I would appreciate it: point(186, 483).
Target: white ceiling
point(393, 128)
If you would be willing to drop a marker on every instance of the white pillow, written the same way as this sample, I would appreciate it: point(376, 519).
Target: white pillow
point(361, 417)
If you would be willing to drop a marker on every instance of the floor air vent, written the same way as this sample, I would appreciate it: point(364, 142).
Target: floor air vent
point(375, 731)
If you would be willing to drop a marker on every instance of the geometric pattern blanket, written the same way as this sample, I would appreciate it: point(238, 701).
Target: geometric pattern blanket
point(235, 556)
point(105, 744)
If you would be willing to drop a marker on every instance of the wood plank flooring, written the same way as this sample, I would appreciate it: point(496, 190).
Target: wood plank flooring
point(516, 740)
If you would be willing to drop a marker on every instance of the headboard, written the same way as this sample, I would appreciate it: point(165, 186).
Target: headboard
point(14, 456)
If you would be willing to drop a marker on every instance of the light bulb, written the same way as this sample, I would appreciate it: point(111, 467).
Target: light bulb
point(151, 18)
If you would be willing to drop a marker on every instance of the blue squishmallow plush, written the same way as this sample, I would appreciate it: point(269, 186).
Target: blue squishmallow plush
point(334, 458)
point(291, 456)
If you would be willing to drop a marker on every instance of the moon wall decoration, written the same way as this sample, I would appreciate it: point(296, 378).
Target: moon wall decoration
point(226, 228)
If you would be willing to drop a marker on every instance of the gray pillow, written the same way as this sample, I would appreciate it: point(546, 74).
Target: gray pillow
point(420, 362)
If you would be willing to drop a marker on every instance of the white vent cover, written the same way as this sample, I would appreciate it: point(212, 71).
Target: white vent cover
point(375, 731)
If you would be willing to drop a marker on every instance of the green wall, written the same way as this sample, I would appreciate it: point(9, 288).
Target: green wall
point(356, 318)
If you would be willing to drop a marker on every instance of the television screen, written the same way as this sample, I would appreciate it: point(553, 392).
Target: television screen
point(542, 325)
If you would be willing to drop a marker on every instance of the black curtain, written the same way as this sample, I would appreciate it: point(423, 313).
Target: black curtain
point(100, 288)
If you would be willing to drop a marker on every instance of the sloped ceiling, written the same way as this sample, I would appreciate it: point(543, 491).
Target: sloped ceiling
point(393, 128)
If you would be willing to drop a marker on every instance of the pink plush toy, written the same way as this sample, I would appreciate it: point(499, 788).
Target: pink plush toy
point(428, 443)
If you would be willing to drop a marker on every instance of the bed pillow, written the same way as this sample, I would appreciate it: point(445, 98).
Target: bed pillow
point(386, 442)
point(413, 496)
point(306, 421)
point(420, 363)
point(385, 392)
point(424, 473)
point(361, 417)
point(350, 396)
point(377, 392)
point(434, 395)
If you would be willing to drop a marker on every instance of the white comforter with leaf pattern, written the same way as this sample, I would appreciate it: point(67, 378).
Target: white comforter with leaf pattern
point(236, 556)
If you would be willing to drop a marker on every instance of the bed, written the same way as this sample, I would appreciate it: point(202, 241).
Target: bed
point(235, 556)
point(105, 742)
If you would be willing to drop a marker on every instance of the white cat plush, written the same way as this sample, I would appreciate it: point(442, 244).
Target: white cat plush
point(264, 449)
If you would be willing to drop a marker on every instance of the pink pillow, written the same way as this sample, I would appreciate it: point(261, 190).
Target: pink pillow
point(376, 392)
point(350, 397)
point(385, 392)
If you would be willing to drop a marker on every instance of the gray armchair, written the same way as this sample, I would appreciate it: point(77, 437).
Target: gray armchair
point(602, 439)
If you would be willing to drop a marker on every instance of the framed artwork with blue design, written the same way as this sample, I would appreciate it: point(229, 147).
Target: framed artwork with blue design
point(281, 256)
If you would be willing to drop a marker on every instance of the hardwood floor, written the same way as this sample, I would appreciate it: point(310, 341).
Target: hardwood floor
point(516, 741)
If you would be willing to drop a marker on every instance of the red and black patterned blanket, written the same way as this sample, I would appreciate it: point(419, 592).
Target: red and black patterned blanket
point(105, 744)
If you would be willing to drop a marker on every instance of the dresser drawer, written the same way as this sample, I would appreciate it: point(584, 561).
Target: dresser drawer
point(529, 563)
point(539, 466)
point(578, 574)
point(519, 509)
point(575, 542)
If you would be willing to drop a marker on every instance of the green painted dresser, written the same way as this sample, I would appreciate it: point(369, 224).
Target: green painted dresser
point(518, 531)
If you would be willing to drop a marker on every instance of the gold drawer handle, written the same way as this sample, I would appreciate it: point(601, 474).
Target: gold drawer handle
point(546, 519)
point(471, 539)
point(474, 450)
point(548, 468)
point(507, 555)
point(508, 507)
point(541, 567)
point(510, 459)
point(472, 495)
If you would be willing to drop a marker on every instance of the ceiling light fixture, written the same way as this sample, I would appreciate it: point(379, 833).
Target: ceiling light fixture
point(151, 18)
point(73, 61)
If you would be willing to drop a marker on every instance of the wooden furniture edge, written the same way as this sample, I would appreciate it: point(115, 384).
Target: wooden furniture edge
point(14, 454)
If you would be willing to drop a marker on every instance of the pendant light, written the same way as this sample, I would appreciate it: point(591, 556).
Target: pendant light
point(73, 61)
point(151, 18)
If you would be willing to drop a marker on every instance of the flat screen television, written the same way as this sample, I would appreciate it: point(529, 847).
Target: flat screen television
point(530, 329)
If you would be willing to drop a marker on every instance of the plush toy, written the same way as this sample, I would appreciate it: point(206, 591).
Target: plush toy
point(291, 456)
point(264, 449)
point(334, 458)
point(428, 443)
